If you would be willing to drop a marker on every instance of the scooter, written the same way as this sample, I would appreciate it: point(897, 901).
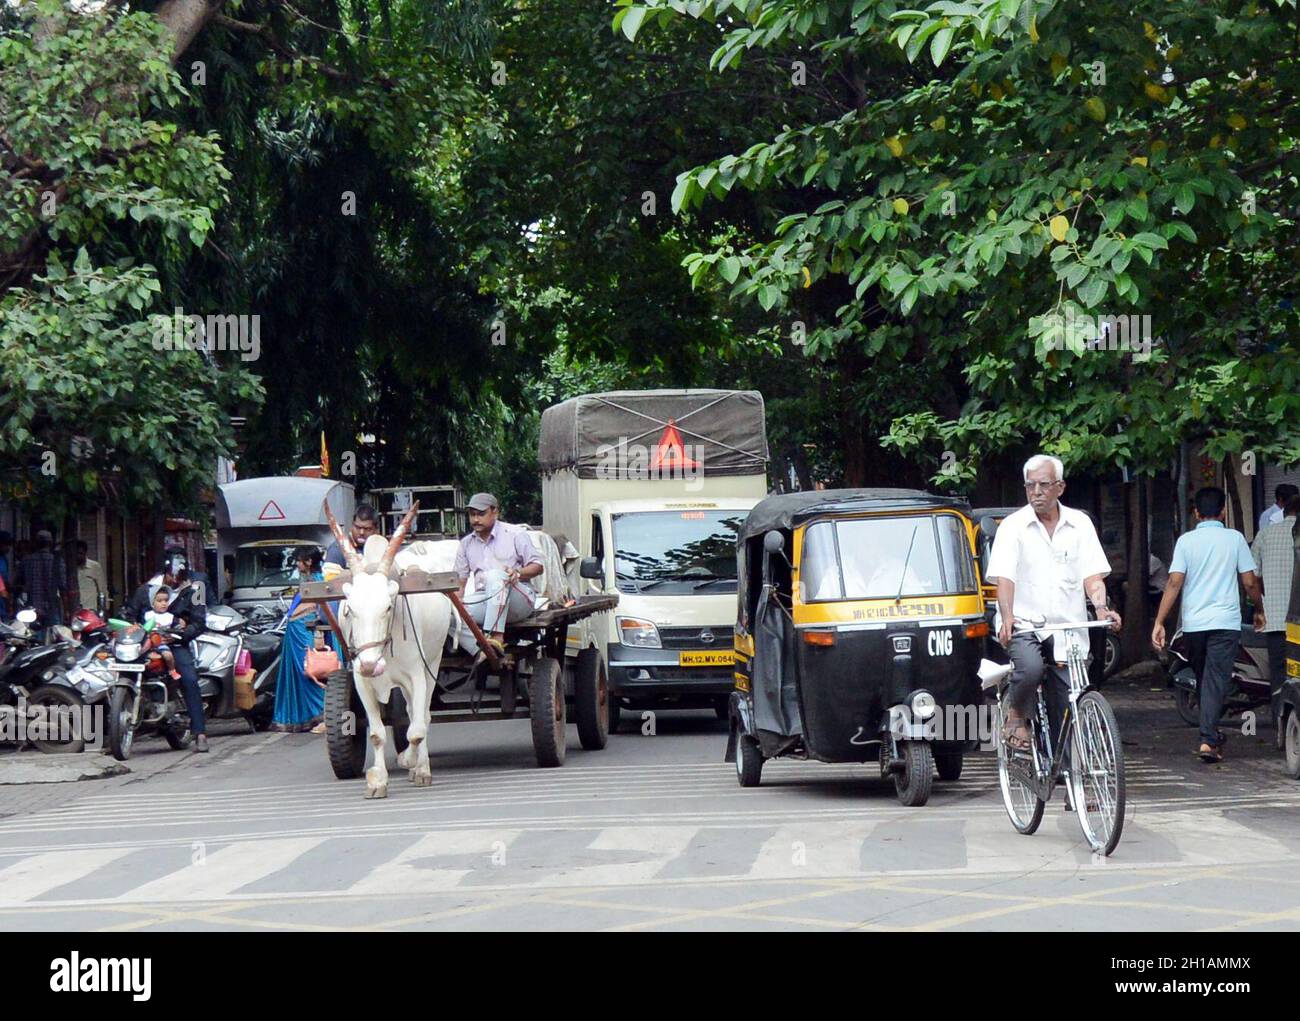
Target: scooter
point(1248, 689)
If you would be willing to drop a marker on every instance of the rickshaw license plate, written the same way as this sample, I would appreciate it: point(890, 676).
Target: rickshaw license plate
point(721, 658)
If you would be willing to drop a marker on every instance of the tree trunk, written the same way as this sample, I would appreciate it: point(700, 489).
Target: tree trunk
point(1234, 494)
point(185, 19)
point(1136, 635)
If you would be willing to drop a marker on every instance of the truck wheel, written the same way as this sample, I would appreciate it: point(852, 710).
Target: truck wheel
point(345, 729)
point(121, 727)
point(914, 782)
point(948, 762)
point(58, 701)
point(546, 712)
point(591, 699)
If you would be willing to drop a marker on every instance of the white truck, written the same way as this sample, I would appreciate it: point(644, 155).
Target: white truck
point(651, 488)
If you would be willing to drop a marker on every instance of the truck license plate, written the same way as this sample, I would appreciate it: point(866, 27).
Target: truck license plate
point(724, 657)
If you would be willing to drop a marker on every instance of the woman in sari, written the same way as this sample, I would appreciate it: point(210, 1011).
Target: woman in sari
point(299, 700)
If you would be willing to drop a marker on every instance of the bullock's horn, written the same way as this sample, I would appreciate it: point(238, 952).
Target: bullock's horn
point(395, 543)
point(345, 544)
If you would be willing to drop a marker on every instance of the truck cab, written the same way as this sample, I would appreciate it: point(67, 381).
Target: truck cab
point(673, 565)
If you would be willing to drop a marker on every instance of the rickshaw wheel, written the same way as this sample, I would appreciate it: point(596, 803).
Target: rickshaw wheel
point(1293, 744)
point(749, 762)
point(546, 712)
point(948, 762)
point(913, 784)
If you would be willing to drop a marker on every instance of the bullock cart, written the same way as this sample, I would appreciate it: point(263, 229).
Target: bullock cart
point(533, 680)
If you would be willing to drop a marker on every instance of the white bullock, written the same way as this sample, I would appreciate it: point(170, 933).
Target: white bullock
point(394, 641)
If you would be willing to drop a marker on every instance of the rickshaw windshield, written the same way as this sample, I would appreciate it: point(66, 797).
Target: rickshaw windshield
point(885, 557)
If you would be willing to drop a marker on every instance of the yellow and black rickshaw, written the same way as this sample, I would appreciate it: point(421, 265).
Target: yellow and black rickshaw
point(859, 634)
point(1286, 700)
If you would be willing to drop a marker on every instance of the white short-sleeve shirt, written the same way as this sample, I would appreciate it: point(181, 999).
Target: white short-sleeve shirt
point(1048, 571)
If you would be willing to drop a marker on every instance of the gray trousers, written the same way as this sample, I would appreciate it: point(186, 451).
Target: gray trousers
point(1030, 670)
point(497, 605)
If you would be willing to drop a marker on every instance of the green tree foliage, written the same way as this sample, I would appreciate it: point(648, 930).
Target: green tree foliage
point(98, 180)
point(1006, 171)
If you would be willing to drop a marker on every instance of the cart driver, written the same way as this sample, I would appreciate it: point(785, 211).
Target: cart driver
point(1045, 557)
point(496, 565)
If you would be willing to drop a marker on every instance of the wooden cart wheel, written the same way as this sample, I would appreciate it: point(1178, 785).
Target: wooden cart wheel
point(345, 728)
point(546, 712)
point(591, 699)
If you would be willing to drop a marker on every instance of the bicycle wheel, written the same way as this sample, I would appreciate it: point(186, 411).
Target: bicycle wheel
point(1024, 807)
point(1097, 773)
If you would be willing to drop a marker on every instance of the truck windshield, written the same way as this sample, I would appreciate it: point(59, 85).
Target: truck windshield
point(677, 552)
point(885, 558)
point(267, 566)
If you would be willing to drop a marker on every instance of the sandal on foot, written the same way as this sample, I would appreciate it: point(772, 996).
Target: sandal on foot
point(1017, 735)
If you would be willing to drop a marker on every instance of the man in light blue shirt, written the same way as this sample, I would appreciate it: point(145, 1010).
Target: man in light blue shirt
point(1208, 563)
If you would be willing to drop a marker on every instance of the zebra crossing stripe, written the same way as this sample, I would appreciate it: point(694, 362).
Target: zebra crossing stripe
point(30, 877)
point(220, 873)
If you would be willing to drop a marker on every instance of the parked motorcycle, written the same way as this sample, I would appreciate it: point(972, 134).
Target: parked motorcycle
point(1249, 688)
point(27, 668)
point(145, 699)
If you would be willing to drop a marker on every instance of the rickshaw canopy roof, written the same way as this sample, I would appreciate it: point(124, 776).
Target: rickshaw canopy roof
point(787, 510)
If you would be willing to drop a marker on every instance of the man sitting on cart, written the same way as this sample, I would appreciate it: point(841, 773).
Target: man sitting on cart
point(1045, 557)
point(495, 565)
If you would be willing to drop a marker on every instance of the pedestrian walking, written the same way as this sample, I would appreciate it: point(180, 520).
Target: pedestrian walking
point(1209, 564)
point(1281, 496)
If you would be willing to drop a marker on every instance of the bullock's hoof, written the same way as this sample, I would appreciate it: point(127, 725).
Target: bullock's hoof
point(376, 784)
point(422, 777)
point(378, 791)
point(407, 760)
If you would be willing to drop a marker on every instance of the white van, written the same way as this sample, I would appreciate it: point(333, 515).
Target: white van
point(651, 488)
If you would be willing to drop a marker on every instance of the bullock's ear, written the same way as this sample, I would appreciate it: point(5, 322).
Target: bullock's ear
point(392, 589)
point(347, 589)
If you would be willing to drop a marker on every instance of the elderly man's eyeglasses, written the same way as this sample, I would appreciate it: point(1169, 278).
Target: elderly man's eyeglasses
point(1034, 487)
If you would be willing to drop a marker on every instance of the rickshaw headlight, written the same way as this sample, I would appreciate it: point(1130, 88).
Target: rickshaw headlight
point(638, 634)
point(922, 705)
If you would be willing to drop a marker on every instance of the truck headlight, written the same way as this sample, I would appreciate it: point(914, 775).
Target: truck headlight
point(636, 633)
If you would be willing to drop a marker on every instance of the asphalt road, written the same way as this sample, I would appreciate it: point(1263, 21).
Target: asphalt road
point(651, 833)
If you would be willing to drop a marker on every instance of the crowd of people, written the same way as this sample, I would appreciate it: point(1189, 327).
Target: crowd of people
point(36, 571)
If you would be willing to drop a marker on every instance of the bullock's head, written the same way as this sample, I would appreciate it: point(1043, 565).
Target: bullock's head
point(370, 598)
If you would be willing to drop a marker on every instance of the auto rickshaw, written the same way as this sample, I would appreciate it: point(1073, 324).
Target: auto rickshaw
point(1286, 700)
point(859, 634)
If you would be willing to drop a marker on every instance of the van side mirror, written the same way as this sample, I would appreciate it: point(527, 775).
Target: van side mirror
point(590, 567)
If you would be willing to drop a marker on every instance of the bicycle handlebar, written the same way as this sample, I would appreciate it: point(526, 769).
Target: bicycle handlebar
point(1061, 627)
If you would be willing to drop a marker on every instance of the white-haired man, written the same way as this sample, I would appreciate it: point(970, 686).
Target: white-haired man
point(1045, 558)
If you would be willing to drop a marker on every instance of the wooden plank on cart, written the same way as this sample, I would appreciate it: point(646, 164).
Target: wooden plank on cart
point(410, 582)
point(584, 607)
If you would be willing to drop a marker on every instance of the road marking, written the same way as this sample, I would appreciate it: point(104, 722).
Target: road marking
point(40, 873)
point(222, 872)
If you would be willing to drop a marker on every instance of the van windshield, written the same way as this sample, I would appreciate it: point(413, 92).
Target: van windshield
point(865, 558)
point(677, 552)
point(267, 566)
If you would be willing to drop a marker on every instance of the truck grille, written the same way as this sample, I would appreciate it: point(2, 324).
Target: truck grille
point(689, 637)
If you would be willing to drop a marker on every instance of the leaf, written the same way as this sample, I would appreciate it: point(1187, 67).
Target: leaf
point(940, 44)
point(901, 207)
point(894, 145)
point(1059, 226)
point(767, 295)
point(629, 20)
point(1093, 291)
point(730, 269)
point(1095, 108)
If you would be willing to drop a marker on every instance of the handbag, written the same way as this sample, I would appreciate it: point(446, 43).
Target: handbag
point(320, 663)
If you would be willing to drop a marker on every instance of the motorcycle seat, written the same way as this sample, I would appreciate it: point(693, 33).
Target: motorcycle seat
point(262, 648)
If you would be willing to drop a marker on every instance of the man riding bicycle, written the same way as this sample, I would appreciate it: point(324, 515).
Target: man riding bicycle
point(1045, 557)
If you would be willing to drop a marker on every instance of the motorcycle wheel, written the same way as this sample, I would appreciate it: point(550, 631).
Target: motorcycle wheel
point(1189, 706)
point(1113, 654)
point(121, 726)
point(59, 698)
point(178, 736)
point(1293, 744)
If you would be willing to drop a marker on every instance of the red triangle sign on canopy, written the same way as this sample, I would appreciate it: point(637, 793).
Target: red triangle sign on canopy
point(266, 514)
point(670, 452)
